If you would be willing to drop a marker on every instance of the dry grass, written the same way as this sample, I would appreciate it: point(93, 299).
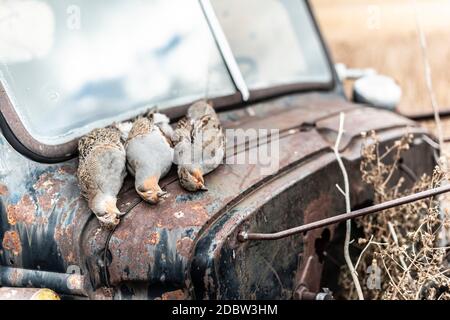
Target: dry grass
point(382, 34)
point(401, 246)
point(402, 242)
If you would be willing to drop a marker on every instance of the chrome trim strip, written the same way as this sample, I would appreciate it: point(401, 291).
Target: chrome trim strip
point(225, 49)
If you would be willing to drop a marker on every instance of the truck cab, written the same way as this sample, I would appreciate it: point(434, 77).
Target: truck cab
point(68, 67)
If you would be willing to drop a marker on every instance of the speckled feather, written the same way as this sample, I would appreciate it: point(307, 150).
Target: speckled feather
point(92, 149)
point(199, 131)
point(141, 126)
point(182, 131)
point(149, 153)
point(144, 125)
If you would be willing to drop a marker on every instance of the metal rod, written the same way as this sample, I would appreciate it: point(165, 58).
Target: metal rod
point(244, 236)
point(64, 283)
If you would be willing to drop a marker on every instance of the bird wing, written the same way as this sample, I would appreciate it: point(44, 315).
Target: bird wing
point(141, 126)
point(103, 170)
point(208, 142)
point(182, 131)
point(207, 131)
point(111, 170)
point(92, 148)
point(162, 122)
point(85, 181)
point(124, 128)
point(104, 136)
point(181, 140)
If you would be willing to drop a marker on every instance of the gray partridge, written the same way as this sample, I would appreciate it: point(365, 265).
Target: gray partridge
point(101, 172)
point(149, 154)
point(124, 128)
point(199, 145)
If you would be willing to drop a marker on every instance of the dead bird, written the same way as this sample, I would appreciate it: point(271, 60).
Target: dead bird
point(199, 145)
point(124, 128)
point(101, 172)
point(150, 154)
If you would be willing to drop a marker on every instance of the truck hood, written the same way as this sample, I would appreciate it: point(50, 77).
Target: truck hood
point(155, 243)
point(46, 225)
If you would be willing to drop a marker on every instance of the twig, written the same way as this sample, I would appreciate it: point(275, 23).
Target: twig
point(394, 236)
point(348, 209)
point(362, 252)
point(428, 77)
point(392, 281)
point(340, 190)
point(434, 103)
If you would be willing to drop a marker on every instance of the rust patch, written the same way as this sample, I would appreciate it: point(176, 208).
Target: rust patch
point(22, 212)
point(45, 202)
point(3, 190)
point(153, 239)
point(48, 183)
point(11, 242)
point(184, 246)
point(310, 269)
point(48, 189)
point(75, 282)
point(362, 117)
point(174, 295)
point(102, 294)
point(15, 276)
point(71, 218)
point(69, 170)
point(61, 202)
point(318, 209)
point(64, 238)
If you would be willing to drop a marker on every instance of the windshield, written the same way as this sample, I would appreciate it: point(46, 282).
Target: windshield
point(71, 65)
point(68, 63)
point(273, 41)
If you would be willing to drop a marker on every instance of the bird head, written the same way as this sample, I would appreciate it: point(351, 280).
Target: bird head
point(105, 206)
point(150, 191)
point(200, 109)
point(192, 180)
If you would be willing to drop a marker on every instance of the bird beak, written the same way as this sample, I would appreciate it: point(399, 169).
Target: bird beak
point(162, 194)
point(109, 220)
point(149, 196)
point(111, 208)
point(152, 191)
point(198, 175)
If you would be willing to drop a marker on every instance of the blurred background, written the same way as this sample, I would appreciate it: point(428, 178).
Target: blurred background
point(382, 34)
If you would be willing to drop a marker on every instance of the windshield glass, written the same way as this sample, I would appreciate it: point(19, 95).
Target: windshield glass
point(274, 41)
point(69, 65)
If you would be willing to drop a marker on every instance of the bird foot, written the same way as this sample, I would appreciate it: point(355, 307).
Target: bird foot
point(109, 221)
point(163, 194)
point(121, 214)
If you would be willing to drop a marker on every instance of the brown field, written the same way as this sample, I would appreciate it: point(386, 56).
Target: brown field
point(382, 34)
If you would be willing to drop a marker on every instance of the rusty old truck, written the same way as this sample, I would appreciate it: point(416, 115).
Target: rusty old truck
point(70, 66)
